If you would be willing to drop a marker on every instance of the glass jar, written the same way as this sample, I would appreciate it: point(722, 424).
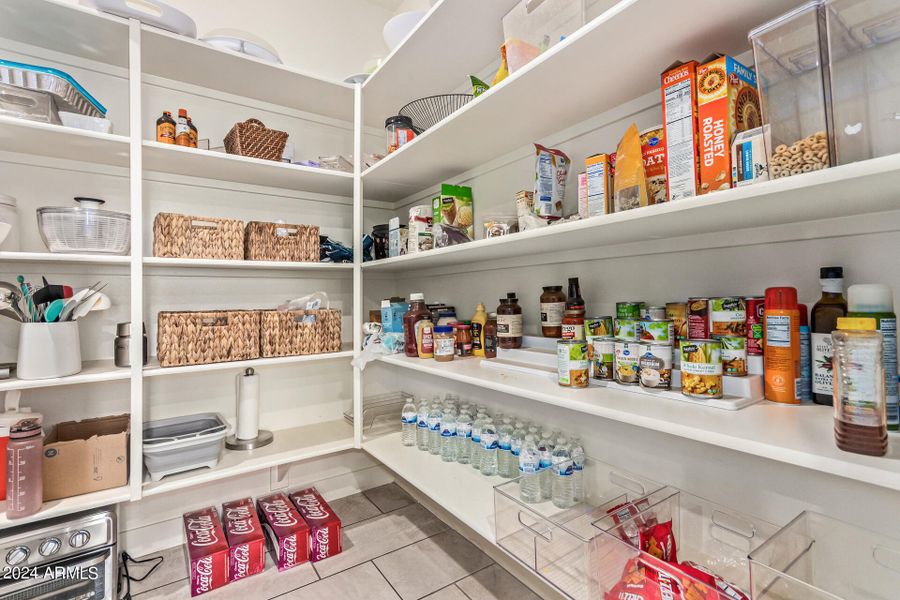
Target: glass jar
point(509, 322)
point(573, 324)
point(553, 304)
point(380, 237)
point(490, 336)
point(398, 131)
point(463, 339)
point(444, 343)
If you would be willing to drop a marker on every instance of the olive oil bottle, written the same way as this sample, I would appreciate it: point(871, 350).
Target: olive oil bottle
point(823, 320)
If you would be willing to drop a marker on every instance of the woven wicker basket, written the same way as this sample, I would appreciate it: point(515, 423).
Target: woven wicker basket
point(184, 236)
point(284, 335)
point(199, 338)
point(297, 243)
point(252, 138)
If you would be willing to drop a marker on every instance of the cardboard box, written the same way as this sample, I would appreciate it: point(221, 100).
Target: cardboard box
point(286, 530)
point(679, 109)
point(728, 104)
point(324, 524)
point(748, 157)
point(454, 207)
point(246, 540)
point(599, 185)
point(207, 550)
point(86, 456)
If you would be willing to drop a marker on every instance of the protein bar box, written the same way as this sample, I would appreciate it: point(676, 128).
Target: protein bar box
point(246, 540)
point(286, 530)
point(324, 524)
point(207, 550)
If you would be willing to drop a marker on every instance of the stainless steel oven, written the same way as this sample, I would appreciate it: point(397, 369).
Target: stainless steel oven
point(67, 558)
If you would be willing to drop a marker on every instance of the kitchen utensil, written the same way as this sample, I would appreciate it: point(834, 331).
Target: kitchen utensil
point(243, 43)
point(73, 302)
point(27, 104)
point(152, 12)
point(10, 314)
point(26, 294)
point(122, 346)
point(49, 293)
point(85, 229)
point(425, 112)
point(85, 306)
point(48, 350)
point(102, 302)
point(248, 435)
point(53, 310)
point(66, 92)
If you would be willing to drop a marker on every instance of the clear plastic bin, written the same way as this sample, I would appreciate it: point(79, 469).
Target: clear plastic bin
point(560, 544)
point(533, 26)
point(816, 557)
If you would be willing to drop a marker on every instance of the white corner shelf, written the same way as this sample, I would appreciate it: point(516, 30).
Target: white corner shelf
point(65, 506)
point(290, 445)
point(248, 266)
point(207, 164)
point(59, 141)
point(797, 435)
point(92, 371)
point(154, 370)
point(801, 198)
point(51, 257)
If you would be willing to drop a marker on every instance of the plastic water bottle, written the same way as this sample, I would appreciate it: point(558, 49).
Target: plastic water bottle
point(529, 465)
point(463, 437)
point(409, 418)
point(563, 471)
point(434, 429)
point(448, 436)
point(505, 460)
point(545, 447)
point(578, 457)
point(475, 447)
point(490, 444)
point(422, 426)
point(516, 439)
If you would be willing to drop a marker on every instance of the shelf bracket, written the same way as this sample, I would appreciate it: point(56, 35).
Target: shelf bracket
point(278, 477)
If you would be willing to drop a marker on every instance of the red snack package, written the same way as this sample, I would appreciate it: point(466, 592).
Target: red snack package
point(207, 550)
point(324, 524)
point(246, 540)
point(287, 531)
point(630, 520)
point(659, 541)
point(726, 590)
point(634, 585)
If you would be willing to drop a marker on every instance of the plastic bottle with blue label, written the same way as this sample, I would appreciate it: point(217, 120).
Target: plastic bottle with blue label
point(434, 429)
point(490, 445)
point(448, 436)
point(529, 470)
point(409, 418)
point(422, 425)
point(505, 460)
point(563, 487)
point(545, 447)
point(463, 436)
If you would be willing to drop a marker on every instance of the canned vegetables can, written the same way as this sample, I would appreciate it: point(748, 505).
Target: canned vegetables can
point(656, 367)
point(656, 312)
point(658, 330)
point(701, 368)
point(727, 317)
point(629, 330)
point(698, 318)
point(734, 356)
point(756, 309)
point(599, 326)
point(628, 356)
point(602, 351)
point(677, 311)
point(572, 363)
point(628, 310)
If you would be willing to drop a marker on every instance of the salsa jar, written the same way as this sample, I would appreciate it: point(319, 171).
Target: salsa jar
point(553, 306)
point(463, 332)
point(398, 132)
point(701, 368)
point(572, 363)
point(573, 325)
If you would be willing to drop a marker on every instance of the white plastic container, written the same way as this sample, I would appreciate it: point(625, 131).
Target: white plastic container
point(48, 350)
point(184, 443)
point(9, 214)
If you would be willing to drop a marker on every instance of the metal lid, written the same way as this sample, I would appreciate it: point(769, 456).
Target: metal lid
point(124, 329)
point(399, 120)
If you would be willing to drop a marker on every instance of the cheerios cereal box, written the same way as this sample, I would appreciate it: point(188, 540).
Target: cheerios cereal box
point(454, 207)
point(728, 103)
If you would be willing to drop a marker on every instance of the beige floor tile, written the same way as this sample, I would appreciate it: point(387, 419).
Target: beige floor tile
point(363, 582)
point(495, 583)
point(353, 509)
point(451, 592)
point(389, 497)
point(173, 568)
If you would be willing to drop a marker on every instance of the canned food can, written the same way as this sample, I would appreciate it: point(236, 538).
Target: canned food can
point(677, 311)
point(602, 352)
point(599, 326)
point(727, 317)
point(656, 312)
point(756, 309)
point(628, 310)
point(629, 330)
point(698, 318)
point(656, 367)
point(701, 368)
point(645, 313)
point(572, 363)
point(734, 356)
point(658, 330)
point(627, 357)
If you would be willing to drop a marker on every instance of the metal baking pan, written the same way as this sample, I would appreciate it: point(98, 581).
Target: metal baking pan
point(27, 104)
point(67, 93)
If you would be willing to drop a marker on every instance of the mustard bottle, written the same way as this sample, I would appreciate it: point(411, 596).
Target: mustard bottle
point(478, 321)
point(425, 338)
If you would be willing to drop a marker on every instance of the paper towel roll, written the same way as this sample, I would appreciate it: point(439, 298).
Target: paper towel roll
point(247, 405)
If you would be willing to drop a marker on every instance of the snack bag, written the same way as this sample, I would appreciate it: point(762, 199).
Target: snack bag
point(726, 590)
point(551, 168)
point(659, 541)
point(478, 86)
point(454, 208)
point(503, 70)
point(630, 183)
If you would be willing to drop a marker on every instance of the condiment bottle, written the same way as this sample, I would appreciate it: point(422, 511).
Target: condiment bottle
point(478, 321)
point(553, 304)
point(182, 130)
point(24, 475)
point(463, 339)
point(192, 130)
point(398, 131)
point(509, 322)
point(877, 301)
point(425, 338)
point(860, 423)
point(165, 128)
point(490, 336)
point(805, 356)
point(823, 320)
point(417, 312)
point(781, 345)
point(444, 343)
point(574, 300)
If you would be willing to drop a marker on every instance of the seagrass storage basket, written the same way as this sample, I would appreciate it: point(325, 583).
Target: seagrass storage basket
point(280, 241)
point(203, 337)
point(284, 333)
point(185, 236)
point(252, 138)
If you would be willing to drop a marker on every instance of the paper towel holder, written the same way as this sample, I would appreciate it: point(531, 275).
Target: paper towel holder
point(263, 437)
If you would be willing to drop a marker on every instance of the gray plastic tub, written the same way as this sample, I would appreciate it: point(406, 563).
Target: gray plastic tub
point(183, 443)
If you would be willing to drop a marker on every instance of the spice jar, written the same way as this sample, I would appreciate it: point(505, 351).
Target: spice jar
point(463, 339)
point(399, 131)
point(509, 322)
point(490, 336)
point(573, 324)
point(444, 343)
point(553, 303)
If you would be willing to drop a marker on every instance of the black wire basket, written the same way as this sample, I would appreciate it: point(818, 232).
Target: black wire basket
point(425, 112)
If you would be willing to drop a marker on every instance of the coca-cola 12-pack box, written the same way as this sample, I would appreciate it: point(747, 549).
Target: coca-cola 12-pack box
point(324, 524)
point(246, 540)
point(207, 550)
point(286, 529)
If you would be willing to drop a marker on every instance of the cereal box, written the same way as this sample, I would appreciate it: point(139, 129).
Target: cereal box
point(728, 103)
point(748, 157)
point(653, 151)
point(679, 108)
point(582, 195)
point(599, 185)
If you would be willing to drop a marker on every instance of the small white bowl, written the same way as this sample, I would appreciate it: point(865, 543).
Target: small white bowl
point(398, 27)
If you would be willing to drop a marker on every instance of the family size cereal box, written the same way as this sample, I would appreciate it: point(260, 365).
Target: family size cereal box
point(679, 108)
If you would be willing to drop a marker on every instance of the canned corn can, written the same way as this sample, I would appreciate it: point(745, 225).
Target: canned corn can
point(599, 326)
point(628, 310)
point(572, 363)
point(701, 368)
point(658, 330)
point(602, 352)
point(627, 361)
point(727, 317)
point(734, 356)
point(656, 367)
point(629, 330)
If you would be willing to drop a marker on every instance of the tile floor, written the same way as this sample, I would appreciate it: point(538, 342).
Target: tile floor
point(393, 549)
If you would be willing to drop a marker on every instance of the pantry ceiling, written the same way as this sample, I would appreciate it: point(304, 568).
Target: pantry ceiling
point(390, 5)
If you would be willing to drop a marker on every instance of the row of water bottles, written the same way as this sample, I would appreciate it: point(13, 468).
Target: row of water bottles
point(552, 463)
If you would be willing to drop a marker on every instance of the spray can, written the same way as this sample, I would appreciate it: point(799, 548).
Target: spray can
point(781, 345)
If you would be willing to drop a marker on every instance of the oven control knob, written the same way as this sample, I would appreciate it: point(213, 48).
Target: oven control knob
point(17, 555)
point(79, 539)
point(50, 546)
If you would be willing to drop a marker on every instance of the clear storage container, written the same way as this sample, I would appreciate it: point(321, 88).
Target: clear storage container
point(533, 26)
point(816, 557)
point(563, 545)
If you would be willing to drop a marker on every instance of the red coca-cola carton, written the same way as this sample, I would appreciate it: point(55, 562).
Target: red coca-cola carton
point(286, 529)
point(324, 525)
point(207, 550)
point(246, 540)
